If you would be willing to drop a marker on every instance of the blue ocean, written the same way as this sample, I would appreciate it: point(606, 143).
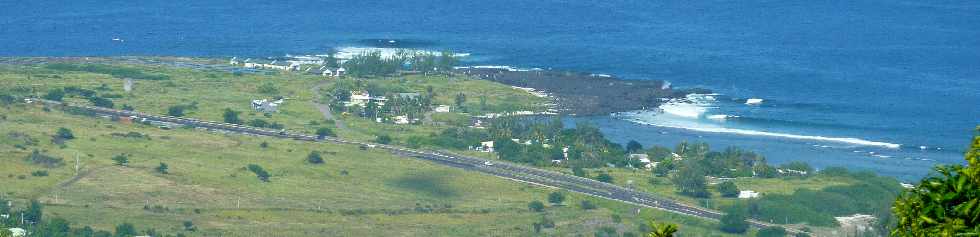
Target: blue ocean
point(890, 86)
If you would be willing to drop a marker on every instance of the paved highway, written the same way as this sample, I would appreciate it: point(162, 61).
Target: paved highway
point(497, 168)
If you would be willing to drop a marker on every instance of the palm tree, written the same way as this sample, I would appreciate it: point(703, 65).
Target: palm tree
point(662, 229)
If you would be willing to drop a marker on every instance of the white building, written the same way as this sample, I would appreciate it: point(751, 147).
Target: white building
point(363, 98)
point(486, 146)
point(401, 119)
point(643, 158)
point(745, 194)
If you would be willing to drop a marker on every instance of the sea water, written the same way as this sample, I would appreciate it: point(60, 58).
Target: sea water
point(889, 86)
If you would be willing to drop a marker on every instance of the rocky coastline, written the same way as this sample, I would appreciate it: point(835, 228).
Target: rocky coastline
point(583, 94)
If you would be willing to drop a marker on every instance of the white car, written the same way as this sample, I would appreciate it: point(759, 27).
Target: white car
point(487, 163)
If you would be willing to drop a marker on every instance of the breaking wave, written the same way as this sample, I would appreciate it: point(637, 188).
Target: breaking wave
point(690, 113)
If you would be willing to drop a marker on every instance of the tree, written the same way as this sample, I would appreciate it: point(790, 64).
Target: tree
point(535, 206)
point(163, 168)
point(4, 232)
point(125, 230)
point(55, 227)
point(120, 160)
point(34, 212)
point(4, 209)
point(259, 172)
point(176, 111)
point(54, 94)
point(460, 99)
point(734, 219)
point(774, 231)
point(383, 139)
point(633, 146)
point(314, 158)
point(556, 198)
point(604, 177)
point(101, 102)
point(661, 229)
point(944, 204)
point(231, 116)
point(324, 132)
point(690, 181)
point(727, 189)
point(189, 226)
point(65, 134)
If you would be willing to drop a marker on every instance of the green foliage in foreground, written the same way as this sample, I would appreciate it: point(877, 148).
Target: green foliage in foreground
point(947, 204)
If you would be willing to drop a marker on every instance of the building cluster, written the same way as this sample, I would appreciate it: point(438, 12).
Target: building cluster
point(363, 98)
point(316, 65)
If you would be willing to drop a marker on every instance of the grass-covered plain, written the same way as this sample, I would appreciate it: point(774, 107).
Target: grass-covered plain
point(355, 193)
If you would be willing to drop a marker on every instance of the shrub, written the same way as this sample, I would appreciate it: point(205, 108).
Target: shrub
point(259, 172)
point(314, 158)
point(41, 159)
point(604, 177)
point(39, 173)
point(120, 160)
point(383, 139)
point(556, 198)
point(774, 231)
point(64, 134)
point(176, 111)
point(734, 219)
point(324, 132)
point(163, 168)
point(587, 205)
point(231, 116)
point(727, 189)
point(535, 206)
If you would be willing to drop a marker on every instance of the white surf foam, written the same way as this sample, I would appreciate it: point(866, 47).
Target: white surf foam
point(687, 113)
point(344, 53)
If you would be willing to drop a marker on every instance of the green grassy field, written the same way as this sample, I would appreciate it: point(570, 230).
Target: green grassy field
point(355, 193)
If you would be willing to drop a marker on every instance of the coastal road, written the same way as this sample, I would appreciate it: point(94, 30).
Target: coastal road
point(506, 170)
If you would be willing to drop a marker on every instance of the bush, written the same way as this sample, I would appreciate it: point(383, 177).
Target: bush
point(101, 102)
point(163, 168)
point(604, 177)
point(39, 173)
point(176, 111)
point(587, 205)
point(120, 160)
point(727, 189)
point(314, 158)
point(556, 197)
point(259, 172)
point(231, 116)
point(324, 132)
point(734, 219)
point(45, 160)
point(774, 231)
point(64, 134)
point(535, 206)
point(383, 139)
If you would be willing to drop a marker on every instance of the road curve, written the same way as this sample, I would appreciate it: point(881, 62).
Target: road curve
point(497, 168)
